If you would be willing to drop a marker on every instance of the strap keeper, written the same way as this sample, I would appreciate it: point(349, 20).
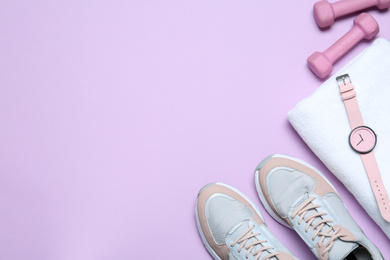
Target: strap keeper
point(348, 95)
point(345, 88)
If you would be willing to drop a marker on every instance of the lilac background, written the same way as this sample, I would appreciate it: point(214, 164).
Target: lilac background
point(115, 113)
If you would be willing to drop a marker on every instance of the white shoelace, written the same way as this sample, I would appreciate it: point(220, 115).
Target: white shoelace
point(244, 238)
point(331, 233)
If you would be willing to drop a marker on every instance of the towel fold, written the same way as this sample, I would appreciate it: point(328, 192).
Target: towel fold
point(322, 122)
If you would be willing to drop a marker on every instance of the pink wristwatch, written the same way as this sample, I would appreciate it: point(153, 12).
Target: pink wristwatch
point(363, 140)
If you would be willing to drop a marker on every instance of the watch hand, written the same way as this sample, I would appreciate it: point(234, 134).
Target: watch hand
point(361, 136)
point(359, 142)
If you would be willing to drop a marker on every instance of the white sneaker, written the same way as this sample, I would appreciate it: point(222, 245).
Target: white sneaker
point(232, 228)
point(299, 197)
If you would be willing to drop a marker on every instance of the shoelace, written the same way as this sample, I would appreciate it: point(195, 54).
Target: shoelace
point(331, 232)
point(243, 239)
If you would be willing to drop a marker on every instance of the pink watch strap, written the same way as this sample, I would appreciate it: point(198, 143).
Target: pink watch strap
point(348, 95)
point(374, 176)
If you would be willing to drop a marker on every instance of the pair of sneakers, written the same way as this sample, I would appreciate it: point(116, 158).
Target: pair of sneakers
point(299, 197)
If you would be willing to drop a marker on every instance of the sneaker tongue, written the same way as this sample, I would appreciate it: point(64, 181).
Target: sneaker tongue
point(341, 249)
point(239, 230)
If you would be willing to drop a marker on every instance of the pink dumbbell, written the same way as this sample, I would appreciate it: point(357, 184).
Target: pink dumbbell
point(325, 13)
point(365, 27)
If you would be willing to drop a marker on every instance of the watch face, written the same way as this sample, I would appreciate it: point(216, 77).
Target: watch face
point(362, 139)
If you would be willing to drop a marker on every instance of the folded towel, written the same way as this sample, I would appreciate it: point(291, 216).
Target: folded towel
point(322, 122)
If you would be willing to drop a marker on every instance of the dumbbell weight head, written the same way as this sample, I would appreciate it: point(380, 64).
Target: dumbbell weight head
point(368, 25)
point(323, 14)
point(320, 64)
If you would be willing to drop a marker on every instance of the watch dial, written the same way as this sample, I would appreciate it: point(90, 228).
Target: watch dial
point(362, 139)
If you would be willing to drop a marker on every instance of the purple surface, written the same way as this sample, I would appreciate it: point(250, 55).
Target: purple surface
point(115, 113)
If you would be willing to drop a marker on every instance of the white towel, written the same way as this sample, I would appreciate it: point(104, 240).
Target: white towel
point(321, 120)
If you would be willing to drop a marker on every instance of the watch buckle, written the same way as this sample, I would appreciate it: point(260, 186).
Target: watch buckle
point(343, 78)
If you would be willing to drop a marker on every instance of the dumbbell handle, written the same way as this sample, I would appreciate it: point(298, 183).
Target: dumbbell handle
point(344, 44)
point(344, 7)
